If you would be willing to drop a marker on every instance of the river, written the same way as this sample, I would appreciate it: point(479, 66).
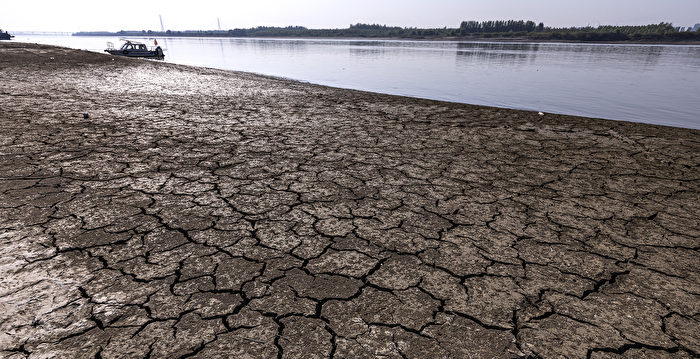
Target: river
point(657, 84)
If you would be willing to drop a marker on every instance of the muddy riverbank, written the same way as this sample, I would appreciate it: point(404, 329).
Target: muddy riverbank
point(209, 213)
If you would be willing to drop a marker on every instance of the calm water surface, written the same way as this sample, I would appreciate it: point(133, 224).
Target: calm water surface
point(657, 84)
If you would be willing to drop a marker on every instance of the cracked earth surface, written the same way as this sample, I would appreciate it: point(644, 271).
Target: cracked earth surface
point(214, 214)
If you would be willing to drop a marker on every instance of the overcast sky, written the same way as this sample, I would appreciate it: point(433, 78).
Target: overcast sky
point(85, 15)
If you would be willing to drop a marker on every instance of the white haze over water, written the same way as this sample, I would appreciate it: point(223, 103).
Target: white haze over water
point(90, 15)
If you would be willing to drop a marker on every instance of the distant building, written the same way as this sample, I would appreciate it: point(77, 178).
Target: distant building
point(696, 27)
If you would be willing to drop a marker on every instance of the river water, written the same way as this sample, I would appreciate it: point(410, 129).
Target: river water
point(657, 84)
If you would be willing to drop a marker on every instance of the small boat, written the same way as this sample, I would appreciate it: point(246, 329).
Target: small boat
point(136, 49)
point(5, 35)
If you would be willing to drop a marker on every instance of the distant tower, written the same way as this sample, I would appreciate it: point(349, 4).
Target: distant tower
point(162, 28)
point(218, 22)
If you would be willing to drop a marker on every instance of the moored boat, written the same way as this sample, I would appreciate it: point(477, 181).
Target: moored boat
point(5, 35)
point(136, 49)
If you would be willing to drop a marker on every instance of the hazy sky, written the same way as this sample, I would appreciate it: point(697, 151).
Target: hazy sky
point(82, 15)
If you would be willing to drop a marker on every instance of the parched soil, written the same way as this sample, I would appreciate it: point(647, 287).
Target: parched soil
point(216, 214)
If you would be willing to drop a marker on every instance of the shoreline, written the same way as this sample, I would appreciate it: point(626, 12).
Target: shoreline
point(373, 92)
point(163, 210)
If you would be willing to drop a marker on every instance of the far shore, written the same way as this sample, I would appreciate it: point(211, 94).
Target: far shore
point(447, 39)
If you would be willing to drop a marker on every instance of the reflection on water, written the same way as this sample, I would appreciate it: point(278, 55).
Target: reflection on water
point(644, 83)
point(494, 54)
point(367, 52)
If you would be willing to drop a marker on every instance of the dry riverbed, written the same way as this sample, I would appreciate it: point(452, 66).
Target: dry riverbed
point(216, 214)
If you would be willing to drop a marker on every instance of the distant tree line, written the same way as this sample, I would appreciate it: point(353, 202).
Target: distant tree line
point(475, 27)
point(657, 32)
point(506, 29)
point(528, 29)
point(356, 30)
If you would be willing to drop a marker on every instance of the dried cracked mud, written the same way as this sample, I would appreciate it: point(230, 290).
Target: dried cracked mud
point(215, 214)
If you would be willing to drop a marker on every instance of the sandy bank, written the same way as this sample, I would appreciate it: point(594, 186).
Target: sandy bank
point(222, 214)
